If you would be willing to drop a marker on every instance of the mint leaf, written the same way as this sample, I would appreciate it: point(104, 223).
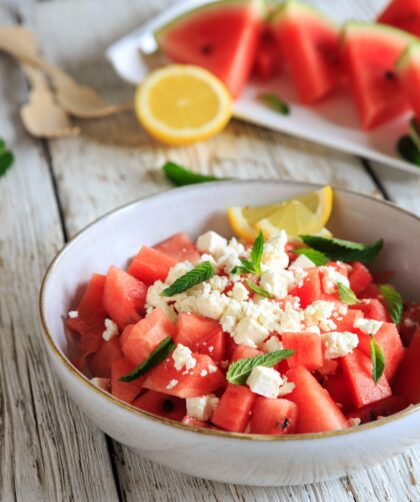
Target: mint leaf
point(346, 294)
point(275, 103)
point(239, 371)
point(181, 176)
point(414, 132)
point(393, 302)
point(197, 275)
point(315, 256)
point(339, 249)
point(378, 360)
point(257, 289)
point(161, 352)
point(6, 157)
point(408, 150)
point(257, 252)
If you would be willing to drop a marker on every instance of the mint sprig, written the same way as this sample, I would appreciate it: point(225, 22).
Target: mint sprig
point(346, 294)
point(180, 176)
point(258, 290)
point(393, 301)
point(315, 256)
point(239, 371)
point(339, 249)
point(197, 275)
point(253, 265)
point(378, 360)
point(6, 157)
point(161, 352)
point(275, 103)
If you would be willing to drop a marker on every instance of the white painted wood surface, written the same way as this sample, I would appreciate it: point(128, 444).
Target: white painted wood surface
point(48, 450)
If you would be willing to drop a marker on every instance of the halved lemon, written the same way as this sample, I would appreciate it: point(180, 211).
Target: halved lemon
point(306, 214)
point(182, 104)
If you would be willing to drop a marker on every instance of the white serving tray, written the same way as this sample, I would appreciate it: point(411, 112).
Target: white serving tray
point(333, 122)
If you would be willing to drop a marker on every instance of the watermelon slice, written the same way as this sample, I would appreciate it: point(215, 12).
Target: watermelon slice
point(408, 68)
point(309, 44)
point(221, 37)
point(234, 409)
point(370, 52)
point(268, 61)
point(150, 265)
point(126, 391)
point(307, 347)
point(179, 247)
point(273, 416)
point(383, 408)
point(310, 291)
point(162, 405)
point(407, 380)
point(100, 363)
point(403, 14)
point(359, 277)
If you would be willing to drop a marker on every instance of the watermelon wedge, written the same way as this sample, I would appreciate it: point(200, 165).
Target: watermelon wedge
point(221, 37)
point(309, 44)
point(403, 14)
point(369, 53)
point(408, 68)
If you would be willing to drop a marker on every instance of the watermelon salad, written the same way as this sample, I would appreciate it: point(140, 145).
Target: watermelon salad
point(237, 38)
point(279, 337)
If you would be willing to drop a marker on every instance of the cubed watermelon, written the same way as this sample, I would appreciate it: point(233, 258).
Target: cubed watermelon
point(203, 379)
point(357, 371)
point(389, 340)
point(214, 345)
point(243, 352)
point(339, 391)
point(407, 380)
point(191, 328)
point(124, 297)
point(179, 247)
point(101, 362)
point(273, 416)
point(150, 265)
point(373, 309)
point(346, 322)
point(268, 61)
point(146, 335)
point(383, 408)
point(89, 322)
point(409, 323)
point(359, 277)
point(310, 291)
point(403, 14)
point(307, 347)
point(317, 412)
point(162, 405)
point(234, 409)
point(126, 391)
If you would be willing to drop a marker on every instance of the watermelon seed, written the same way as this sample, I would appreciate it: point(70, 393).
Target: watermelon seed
point(390, 75)
point(168, 405)
point(285, 423)
point(207, 49)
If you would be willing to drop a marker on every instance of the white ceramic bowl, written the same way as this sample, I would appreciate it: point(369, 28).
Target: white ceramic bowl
point(235, 458)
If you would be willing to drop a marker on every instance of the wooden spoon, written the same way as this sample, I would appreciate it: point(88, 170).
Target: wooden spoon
point(80, 101)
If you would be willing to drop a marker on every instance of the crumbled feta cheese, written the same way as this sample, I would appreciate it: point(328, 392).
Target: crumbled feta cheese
point(218, 283)
point(339, 344)
point(274, 255)
point(277, 282)
point(286, 388)
point(73, 314)
point(330, 277)
point(302, 261)
point(318, 311)
point(265, 381)
point(313, 329)
point(211, 348)
point(212, 368)
point(408, 323)
point(368, 326)
point(178, 271)
point(203, 373)
point(327, 325)
point(250, 332)
point(111, 330)
point(343, 309)
point(239, 292)
point(353, 422)
point(211, 304)
point(202, 408)
point(230, 256)
point(154, 300)
point(102, 383)
point(211, 242)
point(207, 257)
point(173, 383)
point(272, 344)
point(183, 357)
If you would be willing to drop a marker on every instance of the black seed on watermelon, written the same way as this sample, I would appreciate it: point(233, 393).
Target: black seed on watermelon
point(206, 49)
point(167, 405)
point(390, 75)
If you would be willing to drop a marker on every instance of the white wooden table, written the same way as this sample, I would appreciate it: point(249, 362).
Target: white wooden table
point(48, 450)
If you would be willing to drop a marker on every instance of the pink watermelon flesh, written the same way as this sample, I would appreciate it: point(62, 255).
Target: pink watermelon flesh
point(409, 74)
point(403, 14)
point(369, 55)
point(309, 44)
point(222, 38)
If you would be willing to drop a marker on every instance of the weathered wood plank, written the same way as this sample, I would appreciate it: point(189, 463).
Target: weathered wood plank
point(115, 162)
point(48, 451)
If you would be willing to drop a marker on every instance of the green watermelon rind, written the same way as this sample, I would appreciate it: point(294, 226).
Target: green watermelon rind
point(375, 28)
point(406, 59)
point(260, 9)
point(282, 10)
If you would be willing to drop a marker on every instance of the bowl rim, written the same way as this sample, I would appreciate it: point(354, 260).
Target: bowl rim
point(48, 339)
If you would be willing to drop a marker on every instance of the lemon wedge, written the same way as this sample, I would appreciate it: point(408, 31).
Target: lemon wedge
point(182, 104)
point(305, 214)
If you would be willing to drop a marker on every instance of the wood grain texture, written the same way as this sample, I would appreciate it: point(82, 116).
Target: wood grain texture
point(112, 163)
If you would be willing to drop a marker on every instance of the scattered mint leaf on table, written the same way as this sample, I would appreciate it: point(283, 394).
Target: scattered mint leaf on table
point(275, 103)
point(197, 275)
point(346, 294)
point(181, 176)
point(393, 302)
point(378, 360)
point(239, 371)
point(339, 249)
point(315, 256)
point(161, 352)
